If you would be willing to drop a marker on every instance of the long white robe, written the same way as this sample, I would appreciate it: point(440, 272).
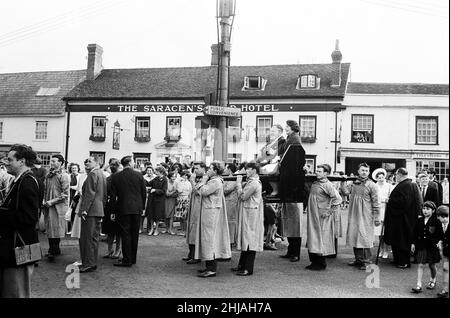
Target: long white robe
point(324, 200)
point(250, 235)
point(212, 235)
point(364, 209)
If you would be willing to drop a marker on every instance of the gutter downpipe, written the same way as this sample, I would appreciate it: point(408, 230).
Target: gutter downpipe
point(67, 132)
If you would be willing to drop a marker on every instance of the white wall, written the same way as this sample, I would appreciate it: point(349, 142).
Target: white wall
point(395, 120)
point(22, 130)
point(80, 130)
point(395, 126)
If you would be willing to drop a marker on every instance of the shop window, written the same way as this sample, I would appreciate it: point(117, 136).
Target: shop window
point(234, 129)
point(142, 129)
point(140, 159)
point(173, 128)
point(426, 130)
point(362, 128)
point(441, 167)
point(98, 129)
point(100, 157)
point(308, 128)
point(263, 125)
point(41, 130)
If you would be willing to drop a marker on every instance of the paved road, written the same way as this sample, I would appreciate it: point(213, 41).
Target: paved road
point(161, 273)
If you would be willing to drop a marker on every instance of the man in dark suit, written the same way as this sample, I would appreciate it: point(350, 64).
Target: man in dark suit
point(428, 189)
point(19, 214)
point(128, 194)
point(402, 210)
point(93, 198)
point(436, 184)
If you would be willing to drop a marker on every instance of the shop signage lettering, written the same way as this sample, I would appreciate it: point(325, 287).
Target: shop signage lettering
point(431, 155)
point(198, 108)
point(190, 108)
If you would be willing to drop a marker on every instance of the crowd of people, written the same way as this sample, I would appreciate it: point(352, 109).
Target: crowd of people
point(221, 207)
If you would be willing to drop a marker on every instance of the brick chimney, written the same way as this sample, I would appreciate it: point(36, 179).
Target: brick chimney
point(214, 54)
point(94, 65)
point(336, 57)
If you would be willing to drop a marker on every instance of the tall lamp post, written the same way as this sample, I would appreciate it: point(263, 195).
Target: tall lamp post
point(226, 14)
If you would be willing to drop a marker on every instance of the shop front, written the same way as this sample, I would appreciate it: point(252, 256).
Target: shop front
point(390, 160)
point(437, 160)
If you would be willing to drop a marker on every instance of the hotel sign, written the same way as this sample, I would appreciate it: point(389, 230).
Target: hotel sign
point(198, 108)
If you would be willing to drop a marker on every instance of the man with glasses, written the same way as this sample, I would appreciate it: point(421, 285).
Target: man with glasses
point(402, 210)
point(93, 198)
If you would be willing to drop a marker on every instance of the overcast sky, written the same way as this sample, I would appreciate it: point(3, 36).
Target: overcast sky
point(384, 40)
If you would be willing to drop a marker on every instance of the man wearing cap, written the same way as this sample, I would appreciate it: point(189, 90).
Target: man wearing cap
point(56, 203)
point(402, 210)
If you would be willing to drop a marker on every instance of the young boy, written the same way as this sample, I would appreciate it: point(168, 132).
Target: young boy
point(442, 214)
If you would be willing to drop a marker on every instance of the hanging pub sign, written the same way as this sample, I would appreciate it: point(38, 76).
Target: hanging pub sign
point(116, 136)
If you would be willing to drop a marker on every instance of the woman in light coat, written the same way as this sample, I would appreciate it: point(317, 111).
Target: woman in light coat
point(231, 200)
point(250, 235)
point(384, 191)
point(56, 204)
point(193, 215)
point(213, 237)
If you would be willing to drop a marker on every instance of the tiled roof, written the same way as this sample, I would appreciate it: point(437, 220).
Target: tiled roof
point(401, 88)
point(18, 92)
point(196, 82)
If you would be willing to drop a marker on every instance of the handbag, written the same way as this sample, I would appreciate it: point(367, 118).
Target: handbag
point(68, 214)
point(26, 254)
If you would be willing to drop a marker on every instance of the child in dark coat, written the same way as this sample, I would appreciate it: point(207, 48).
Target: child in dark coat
point(442, 215)
point(427, 234)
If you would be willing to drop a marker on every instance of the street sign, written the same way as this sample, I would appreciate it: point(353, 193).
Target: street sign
point(222, 111)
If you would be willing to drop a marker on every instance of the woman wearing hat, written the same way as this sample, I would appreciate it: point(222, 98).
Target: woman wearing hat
point(384, 191)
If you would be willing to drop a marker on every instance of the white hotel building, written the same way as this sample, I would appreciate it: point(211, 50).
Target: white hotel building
point(154, 114)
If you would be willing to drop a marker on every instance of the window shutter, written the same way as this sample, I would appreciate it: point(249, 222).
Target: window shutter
point(246, 82)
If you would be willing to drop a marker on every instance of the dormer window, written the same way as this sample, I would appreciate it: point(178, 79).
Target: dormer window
point(47, 91)
point(306, 81)
point(254, 83)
